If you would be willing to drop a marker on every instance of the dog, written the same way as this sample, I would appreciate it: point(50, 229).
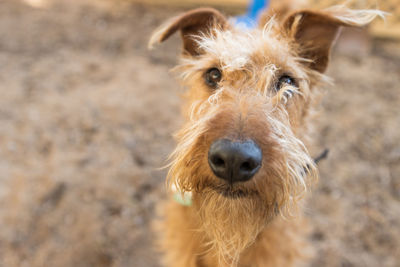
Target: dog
point(241, 168)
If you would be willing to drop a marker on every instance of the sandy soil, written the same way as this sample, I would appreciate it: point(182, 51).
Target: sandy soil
point(86, 116)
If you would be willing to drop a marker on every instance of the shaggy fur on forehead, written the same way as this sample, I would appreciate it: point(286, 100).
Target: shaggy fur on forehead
point(236, 48)
point(251, 61)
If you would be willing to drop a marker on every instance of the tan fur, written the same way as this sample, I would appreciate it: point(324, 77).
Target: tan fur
point(260, 223)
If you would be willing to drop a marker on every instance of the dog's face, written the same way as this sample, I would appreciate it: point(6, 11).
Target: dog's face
point(249, 92)
point(247, 98)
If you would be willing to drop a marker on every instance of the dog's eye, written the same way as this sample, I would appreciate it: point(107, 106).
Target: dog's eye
point(212, 77)
point(283, 80)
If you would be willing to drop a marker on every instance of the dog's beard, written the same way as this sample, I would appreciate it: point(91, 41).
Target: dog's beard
point(231, 224)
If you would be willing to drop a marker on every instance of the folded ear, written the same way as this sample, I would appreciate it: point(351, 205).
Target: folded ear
point(193, 23)
point(279, 9)
point(315, 31)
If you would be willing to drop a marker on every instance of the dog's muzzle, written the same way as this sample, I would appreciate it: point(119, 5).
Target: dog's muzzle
point(234, 161)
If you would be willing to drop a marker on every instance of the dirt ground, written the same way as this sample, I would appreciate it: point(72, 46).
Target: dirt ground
point(86, 117)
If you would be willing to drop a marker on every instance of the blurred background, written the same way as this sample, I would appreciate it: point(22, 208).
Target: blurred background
point(86, 120)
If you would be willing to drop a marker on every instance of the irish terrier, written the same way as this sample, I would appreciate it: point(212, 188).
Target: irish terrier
point(240, 166)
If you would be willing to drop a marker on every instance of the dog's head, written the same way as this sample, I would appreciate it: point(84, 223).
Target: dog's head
point(249, 92)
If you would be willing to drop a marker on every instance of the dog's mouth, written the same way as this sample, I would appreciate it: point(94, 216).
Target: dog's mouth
point(233, 192)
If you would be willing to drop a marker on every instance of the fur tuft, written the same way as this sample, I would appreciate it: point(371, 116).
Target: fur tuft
point(355, 18)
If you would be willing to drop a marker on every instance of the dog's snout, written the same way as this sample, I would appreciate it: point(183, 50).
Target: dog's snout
point(234, 161)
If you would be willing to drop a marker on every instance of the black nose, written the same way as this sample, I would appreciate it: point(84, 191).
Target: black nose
point(234, 161)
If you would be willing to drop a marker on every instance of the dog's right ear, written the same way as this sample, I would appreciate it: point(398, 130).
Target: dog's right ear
point(193, 23)
point(315, 31)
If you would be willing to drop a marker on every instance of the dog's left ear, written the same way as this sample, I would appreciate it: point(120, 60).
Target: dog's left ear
point(193, 23)
point(315, 31)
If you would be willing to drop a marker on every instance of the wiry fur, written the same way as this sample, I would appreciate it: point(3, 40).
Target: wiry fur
point(249, 223)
